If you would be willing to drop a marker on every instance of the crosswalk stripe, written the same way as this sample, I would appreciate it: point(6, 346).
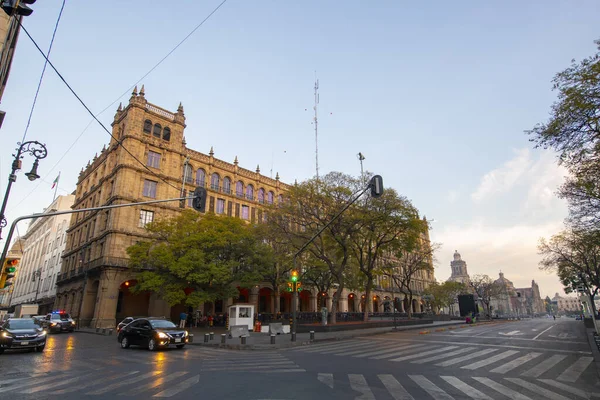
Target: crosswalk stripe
point(491, 360)
point(326, 379)
point(404, 351)
point(359, 384)
point(188, 383)
point(29, 383)
point(317, 347)
point(566, 388)
point(411, 356)
point(537, 389)
point(457, 360)
point(498, 387)
point(86, 364)
point(51, 385)
point(445, 355)
point(466, 389)
point(509, 366)
point(125, 382)
point(363, 349)
point(249, 368)
point(94, 382)
point(572, 373)
point(159, 382)
point(334, 350)
point(544, 366)
point(250, 365)
point(395, 389)
point(281, 371)
point(385, 349)
point(430, 387)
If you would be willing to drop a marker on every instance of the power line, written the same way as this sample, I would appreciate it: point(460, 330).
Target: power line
point(43, 71)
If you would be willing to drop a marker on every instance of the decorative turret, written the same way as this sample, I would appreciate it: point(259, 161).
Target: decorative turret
point(211, 152)
point(180, 116)
point(257, 169)
point(235, 162)
point(277, 176)
point(142, 92)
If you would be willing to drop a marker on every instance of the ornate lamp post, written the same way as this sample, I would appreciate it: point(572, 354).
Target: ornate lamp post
point(36, 149)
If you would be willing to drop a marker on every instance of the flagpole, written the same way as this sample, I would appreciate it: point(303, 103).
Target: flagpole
point(56, 186)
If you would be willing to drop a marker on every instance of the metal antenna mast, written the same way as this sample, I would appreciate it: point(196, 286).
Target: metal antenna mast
point(316, 125)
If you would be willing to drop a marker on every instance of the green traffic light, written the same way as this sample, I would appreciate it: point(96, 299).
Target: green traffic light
point(11, 269)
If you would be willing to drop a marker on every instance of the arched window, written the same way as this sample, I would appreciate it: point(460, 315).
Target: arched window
point(147, 126)
point(214, 181)
point(166, 134)
point(157, 130)
point(261, 195)
point(200, 177)
point(270, 197)
point(187, 174)
point(280, 199)
point(239, 189)
point(227, 185)
point(250, 192)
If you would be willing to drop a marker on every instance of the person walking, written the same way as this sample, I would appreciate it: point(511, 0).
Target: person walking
point(182, 318)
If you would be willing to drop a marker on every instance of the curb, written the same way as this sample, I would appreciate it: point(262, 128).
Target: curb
point(594, 349)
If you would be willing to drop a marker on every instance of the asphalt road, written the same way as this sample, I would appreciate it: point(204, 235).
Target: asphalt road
point(524, 360)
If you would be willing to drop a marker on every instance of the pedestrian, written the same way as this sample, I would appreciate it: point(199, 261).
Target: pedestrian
point(554, 316)
point(182, 318)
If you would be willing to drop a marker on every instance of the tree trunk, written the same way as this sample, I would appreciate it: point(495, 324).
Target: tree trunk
point(410, 298)
point(277, 302)
point(368, 300)
point(334, 304)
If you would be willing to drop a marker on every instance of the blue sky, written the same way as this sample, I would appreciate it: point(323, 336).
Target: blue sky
point(435, 96)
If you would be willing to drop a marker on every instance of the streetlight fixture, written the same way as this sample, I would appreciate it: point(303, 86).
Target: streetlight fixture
point(36, 149)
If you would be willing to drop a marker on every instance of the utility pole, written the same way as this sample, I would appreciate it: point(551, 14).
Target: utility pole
point(361, 158)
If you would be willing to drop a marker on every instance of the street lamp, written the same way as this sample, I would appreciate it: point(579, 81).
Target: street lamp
point(36, 149)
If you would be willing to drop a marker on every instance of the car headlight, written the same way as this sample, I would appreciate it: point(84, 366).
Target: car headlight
point(6, 334)
point(185, 333)
point(42, 333)
point(53, 324)
point(162, 335)
point(72, 322)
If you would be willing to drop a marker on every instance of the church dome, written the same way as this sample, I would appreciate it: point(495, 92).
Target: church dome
point(503, 280)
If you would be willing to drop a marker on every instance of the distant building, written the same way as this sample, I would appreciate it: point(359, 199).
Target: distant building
point(528, 300)
point(566, 304)
point(502, 304)
point(459, 270)
point(517, 301)
point(43, 245)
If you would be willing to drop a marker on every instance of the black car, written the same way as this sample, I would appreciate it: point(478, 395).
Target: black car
point(22, 333)
point(59, 321)
point(153, 333)
point(126, 322)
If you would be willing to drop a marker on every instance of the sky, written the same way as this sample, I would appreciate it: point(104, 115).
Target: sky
point(436, 96)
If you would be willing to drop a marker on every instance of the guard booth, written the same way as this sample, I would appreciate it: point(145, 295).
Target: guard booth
point(241, 314)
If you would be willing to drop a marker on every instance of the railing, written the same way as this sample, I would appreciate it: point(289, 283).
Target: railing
point(160, 111)
point(315, 317)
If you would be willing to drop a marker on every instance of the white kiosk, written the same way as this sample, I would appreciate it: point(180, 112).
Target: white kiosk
point(242, 314)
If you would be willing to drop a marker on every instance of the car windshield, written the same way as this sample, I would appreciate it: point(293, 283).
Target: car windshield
point(62, 317)
point(161, 323)
point(22, 324)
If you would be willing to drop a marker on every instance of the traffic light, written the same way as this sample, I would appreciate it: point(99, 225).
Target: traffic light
point(290, 287)
point(17, 7)
point(8, 272)
point(298, 286)
point(294, 276)
point(376, 185)
point(199, 202)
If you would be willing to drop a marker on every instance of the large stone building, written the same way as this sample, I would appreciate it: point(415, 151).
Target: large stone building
point(95, 279)
point(42, 245)
point(566, 304)
point(514, 301)
point(459, 269)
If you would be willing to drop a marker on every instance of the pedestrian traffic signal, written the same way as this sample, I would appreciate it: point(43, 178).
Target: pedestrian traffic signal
point(298, 286)
point(8, 272)
point(290, 287)
point(294, 276)
point(376, 185)
point(199, 201)
point(17, 7)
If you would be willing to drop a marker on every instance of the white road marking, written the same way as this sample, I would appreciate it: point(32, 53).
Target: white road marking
point(566, 388)
point(572, 373)
point(60, 382)
point(283, 371)
point(548, 394)
point(387, 349)
point(466, 389)
point(542, 332)
point(403, 351)
point(445, 355)
point(359, 384)
point(512, 333)
point(30, 383)
point(334, 347)
point(395, 389)
point(159, 382)
point(94, 382)
point(491, 360)
point(436, 351)
point(365, 348)
point(509, 366)
point(465, 358)
point(125, 382)
point(326, 379)
point(249, 368)
point(511, 394)
point(430, 387)
point(188, 383)
point(544, 366)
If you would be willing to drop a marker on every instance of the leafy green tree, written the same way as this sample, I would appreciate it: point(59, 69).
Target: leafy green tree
point(444, 294)
point(486, 290)
point(196, 258)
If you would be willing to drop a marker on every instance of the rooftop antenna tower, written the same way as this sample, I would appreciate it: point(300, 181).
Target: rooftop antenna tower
point(316, 126)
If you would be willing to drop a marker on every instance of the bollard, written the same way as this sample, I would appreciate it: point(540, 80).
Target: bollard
point(191, 338)
point(212, 335)
point(206, 335)
point(97, 330)
point(104, 331)
point(243, 339)
point(223, 337)
point(273, 336)
point(312, 335)
point(293, 336)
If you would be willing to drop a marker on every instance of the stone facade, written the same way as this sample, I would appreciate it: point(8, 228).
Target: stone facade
point(459, 269)
point(517, 301)
point(566, 304)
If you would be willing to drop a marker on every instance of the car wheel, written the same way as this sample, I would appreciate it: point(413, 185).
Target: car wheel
point(125, 343)
point(40, 348)
point(152, 345)
point(180, 346)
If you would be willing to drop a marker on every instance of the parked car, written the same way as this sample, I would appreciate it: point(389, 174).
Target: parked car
point(59, 321)
point(22, 333)
point(153, 333)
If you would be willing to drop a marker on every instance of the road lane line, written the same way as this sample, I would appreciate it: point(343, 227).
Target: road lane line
point(188, 383)
point(436, 351)
point(457, 360)
point(566, 388)
point(548, 394)
point(430, 387)
point(159, 382)
point(511, 394)
point(404, 351)
point(544, 366)
point(326, 379)
point(385, 350)
point(359, 384)
point(509, 366)
point(394, 388)
point(542, 332)
point(572, 373)
point(445, 355)
point(491, 360)
point(125, 382)
point(466, 389)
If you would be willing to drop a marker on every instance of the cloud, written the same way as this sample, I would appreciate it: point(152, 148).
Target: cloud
point(452, 196)
point(545, 176)
point(503, 179)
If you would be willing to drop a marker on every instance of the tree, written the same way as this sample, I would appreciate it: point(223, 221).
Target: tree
point(486, 290)
point(444, 294)
point(573, 130)
point(409, 266)
point(196, 258)
point(548, 305)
